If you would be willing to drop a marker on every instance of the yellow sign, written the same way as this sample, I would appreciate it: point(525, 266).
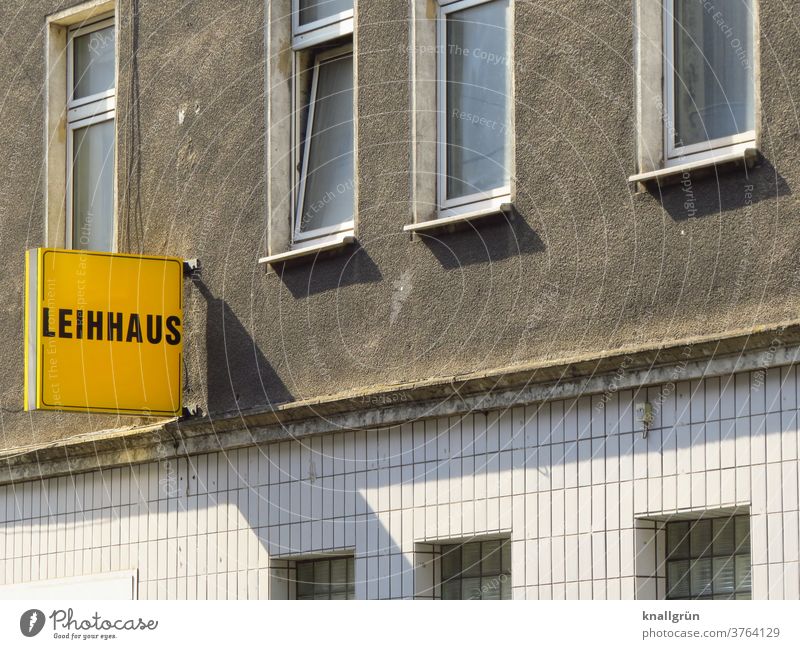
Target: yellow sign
point(103, 332)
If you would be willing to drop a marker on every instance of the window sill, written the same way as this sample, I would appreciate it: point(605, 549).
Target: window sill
point(443, 222)
point(747, 155)
point(314, 249)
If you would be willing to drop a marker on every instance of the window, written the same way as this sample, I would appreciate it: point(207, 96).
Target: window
point(312, 86)
point(475, 90)
point(325, 194)
point(91, 104)
point(476, 570)
point(709, 559)
point(314, 21)
point(710, 89)
point(697, 103)
point(326, 579)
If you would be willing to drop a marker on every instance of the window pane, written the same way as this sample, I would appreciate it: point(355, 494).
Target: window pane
point(93, 67)
point(305, 579)
point(93, 187)
point(471, 588)
point(321, 576)
point(451, 561)
point(478, 94)
point(476, 570)
point(700, 538)
point(743, 535)
point(328, 197)
point(507, 556)
point(723, 543)
point(678, 579)
point(314, 10)
point(325, 579)
point(678, 540)
point(490, 587)
point(471, 559)
point(492, 559)
point(723, 575)
point(701, 573)
point(743, 581)
point(714, 89)
point(505, 587)
point(339, 574)
point(451, 589)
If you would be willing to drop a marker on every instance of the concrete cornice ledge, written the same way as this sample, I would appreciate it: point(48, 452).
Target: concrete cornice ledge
point(391, 405)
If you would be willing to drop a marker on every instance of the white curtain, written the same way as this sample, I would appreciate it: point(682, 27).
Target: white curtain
point(478, 90)
point(94, 63)
point(93, 187)
point(714, 90)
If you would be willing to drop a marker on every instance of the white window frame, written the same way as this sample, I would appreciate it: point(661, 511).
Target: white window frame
point(701, 150)
point(321, 30)
point(320, 234)
point(479, 201)
point(313, 34)
point(87, 111)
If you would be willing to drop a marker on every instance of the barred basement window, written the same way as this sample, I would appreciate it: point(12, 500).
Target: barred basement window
point(476, 570)
point(326, 579)
point(709, 559)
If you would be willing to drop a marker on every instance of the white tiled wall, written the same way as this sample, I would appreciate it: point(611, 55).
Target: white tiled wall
point(568, 481)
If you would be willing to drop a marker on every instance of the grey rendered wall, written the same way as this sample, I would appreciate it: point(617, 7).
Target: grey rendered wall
point(587, 265)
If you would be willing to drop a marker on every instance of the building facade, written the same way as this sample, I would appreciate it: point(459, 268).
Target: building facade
point(496, 299)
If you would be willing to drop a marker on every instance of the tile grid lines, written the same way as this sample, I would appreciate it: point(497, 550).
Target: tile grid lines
point(439, 455)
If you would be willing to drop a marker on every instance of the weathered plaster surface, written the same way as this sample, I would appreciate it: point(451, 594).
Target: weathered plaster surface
point(586, 267)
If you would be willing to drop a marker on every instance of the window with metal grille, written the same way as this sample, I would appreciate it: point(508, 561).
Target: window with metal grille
point(709, 559)
point(326, 579)
point(476, 570)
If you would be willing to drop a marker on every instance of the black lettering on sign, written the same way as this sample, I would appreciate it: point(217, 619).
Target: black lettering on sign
point(79, 325)
point(94, 325)
point(174, 335)
point(89, 325)
point(154, 325)
point(64, 322)
point(115, 325)
point(46, 331)
point(134, 329)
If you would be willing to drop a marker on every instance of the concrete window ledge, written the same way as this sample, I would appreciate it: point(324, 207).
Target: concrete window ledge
point(444, 222)
point(338, 241)
point(747, 154)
